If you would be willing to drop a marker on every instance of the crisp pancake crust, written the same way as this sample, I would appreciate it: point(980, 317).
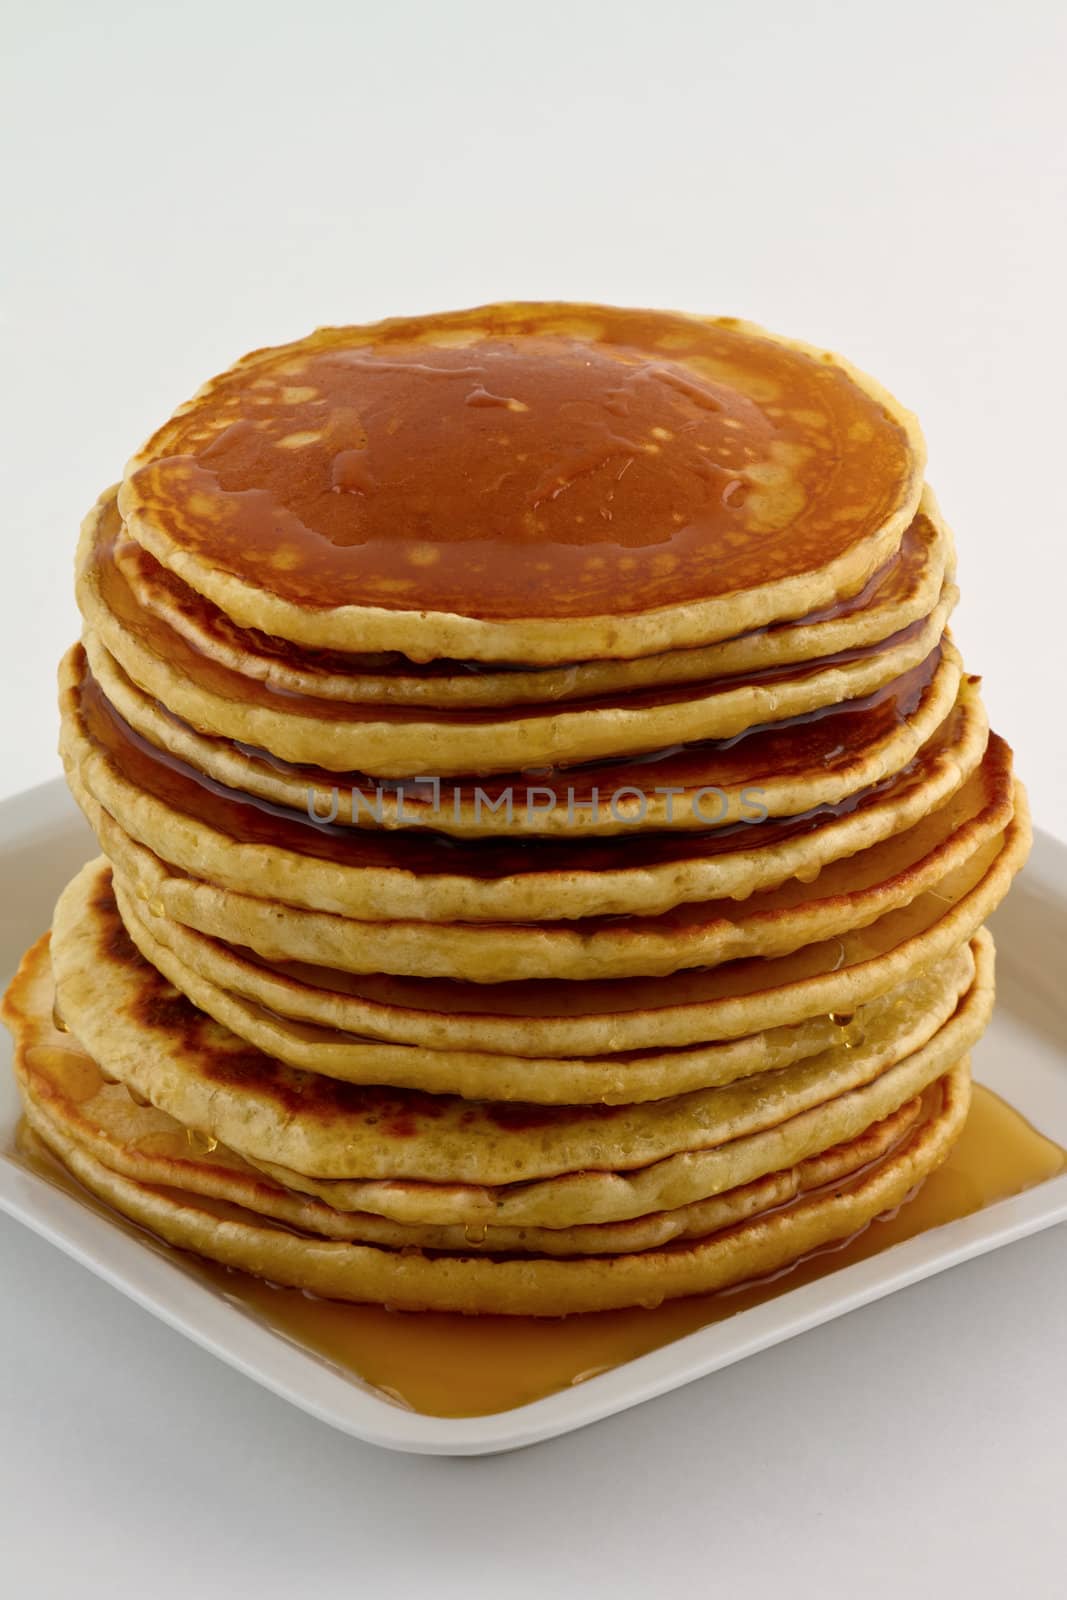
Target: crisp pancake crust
point(131, 1020)
point(61, 1085)
point(530, 1285)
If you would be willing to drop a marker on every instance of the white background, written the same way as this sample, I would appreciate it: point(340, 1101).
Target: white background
point(186, 182)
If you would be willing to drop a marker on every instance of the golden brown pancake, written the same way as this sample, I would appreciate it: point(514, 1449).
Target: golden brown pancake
point(130, 1019)
point(413, 1280)
point(193, 964)
point(398, 874)
point(61, 1085)
point(698, 933)
point(904, 590)
point(403, 740)
point(809, 764)
point(533, 483)
point(557, 1018)
point(134, 1137)
point(218, 836)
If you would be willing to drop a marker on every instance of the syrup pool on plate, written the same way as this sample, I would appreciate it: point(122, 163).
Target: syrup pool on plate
point(454, 1366)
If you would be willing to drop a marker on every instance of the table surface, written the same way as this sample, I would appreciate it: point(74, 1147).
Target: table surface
point(188, 183)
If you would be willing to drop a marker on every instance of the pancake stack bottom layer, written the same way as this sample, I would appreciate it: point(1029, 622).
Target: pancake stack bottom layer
point(547, 829)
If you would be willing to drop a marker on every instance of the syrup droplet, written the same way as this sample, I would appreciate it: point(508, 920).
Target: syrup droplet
point(75, 1074)
point(163, 1144)
point(200, 1143)
point(840, 961)
point(853, 1033)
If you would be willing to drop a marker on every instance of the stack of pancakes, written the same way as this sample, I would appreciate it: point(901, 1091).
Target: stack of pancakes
point(547, 828)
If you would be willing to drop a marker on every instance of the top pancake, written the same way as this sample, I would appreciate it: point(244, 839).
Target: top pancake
point(904, 590)
point(531, 483)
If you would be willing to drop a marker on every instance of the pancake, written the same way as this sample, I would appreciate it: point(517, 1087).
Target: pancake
point(906, 589)
point(195, 964)
point(593, 1018)
point(611, 1079)
point(399, 741)
point(531, 483)
point(538, 1285)
point(407, 873)
point(239, 849)
point(159, 1153)
point(798, 766)
point(464, 1157)
point(128, 1017)
point(62, 1088)
point(848, 894)
point(600, 1197)
point(715, 1116)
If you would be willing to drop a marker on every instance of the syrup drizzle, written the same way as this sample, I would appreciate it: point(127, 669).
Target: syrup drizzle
point(252, 819)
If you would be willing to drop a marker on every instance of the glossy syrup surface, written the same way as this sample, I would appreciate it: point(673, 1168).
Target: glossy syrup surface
point(832, 740)
point(446, 1365)
point(226, 682)
point(163, 595)
point(526, 461)
point(248, 820)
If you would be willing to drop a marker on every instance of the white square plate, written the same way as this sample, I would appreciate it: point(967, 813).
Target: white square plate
point(43, 841)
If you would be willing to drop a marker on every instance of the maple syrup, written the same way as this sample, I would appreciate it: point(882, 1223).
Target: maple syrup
point(527, 461)
point(226, 682)
point(829, 737)
point(206, 628)
point(448, 1365)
